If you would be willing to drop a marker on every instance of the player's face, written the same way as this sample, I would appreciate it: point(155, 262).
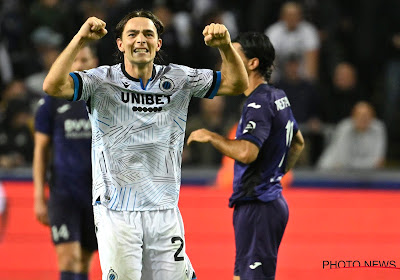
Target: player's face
point(139, 41)
point(84, 60)
point(239, 50)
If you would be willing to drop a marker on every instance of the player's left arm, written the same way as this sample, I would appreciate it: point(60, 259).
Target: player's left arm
point(296, 147)
point(234, 79)
point(240, 150)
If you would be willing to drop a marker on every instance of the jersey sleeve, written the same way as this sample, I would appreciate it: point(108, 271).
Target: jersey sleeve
point(86, 82)
point(257, 123)
point(44, 116)
point(203, 83)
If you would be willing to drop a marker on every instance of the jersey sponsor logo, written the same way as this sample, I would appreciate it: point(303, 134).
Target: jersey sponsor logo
point(255, 265)
point(254, 105)
point(166, 84)
point(77, 128)
point(282, 103)
point(76, 125)
point(249, 127)
point(145, 99)
point(126, 85)
point(64, 108)
point(112, 275)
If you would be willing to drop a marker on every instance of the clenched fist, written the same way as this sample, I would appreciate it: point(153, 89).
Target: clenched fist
point(216, 35)
point(93, 29)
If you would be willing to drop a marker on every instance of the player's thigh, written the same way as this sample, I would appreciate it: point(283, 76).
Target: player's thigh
point(164, 249)
point(259, 228)
point(119, 237)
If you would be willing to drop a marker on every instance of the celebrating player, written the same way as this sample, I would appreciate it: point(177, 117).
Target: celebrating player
point(138, 112)
point(65, 127)
point(268, 143)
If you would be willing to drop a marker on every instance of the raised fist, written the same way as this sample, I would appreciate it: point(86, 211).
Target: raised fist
point(216, 35)
point(93, 29)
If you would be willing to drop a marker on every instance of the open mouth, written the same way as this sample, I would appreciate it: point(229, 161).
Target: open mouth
point(141, 51)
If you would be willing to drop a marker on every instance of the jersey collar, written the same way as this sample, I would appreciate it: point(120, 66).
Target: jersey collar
point(136, 79)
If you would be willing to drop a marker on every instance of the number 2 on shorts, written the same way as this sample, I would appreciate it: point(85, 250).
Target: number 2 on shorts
point(177, 258)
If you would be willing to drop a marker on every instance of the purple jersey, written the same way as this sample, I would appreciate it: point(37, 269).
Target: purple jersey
point(68, 126)
point(267, 121)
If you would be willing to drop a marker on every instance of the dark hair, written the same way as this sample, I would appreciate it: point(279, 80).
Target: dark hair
point(255, 44)
point(137, 13)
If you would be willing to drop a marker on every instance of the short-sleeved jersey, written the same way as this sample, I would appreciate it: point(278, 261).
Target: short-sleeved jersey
point(267, 121)
point(138, 131)
point(68, 126)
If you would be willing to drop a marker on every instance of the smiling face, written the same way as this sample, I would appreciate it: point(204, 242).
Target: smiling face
point(139, 41)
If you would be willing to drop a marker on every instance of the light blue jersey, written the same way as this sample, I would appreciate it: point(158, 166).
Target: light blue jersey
point(138, 131)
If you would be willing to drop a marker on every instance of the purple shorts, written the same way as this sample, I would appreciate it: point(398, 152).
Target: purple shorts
point(259, 227)
point(72, 221)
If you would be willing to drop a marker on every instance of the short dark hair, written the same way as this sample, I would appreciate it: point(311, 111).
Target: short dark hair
point(137, 13)
point(256, 44)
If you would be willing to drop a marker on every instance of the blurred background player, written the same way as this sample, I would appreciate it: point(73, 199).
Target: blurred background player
point(63, 129)
point(138, 113)
point(267, 145)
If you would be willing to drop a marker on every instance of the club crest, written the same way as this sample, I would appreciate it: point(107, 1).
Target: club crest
point(112, 275)
point(166, 84)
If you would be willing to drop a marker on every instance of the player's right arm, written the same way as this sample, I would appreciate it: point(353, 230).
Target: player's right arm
point(40, 158)
point(234, 79)
point(296, 147)
point(240, 150)
point(58, 82)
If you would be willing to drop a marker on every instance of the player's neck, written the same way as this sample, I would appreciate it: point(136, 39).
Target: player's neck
point(139, 71)
point(254, 81)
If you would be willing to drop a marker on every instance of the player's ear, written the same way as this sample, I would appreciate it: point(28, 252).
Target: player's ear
point(253, 63)
point(159, 44)
point(120, 46)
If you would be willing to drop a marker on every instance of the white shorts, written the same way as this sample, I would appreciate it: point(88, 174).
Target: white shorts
point(148, 245)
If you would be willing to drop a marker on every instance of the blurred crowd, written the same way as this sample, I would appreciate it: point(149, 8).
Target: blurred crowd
point(338, 62)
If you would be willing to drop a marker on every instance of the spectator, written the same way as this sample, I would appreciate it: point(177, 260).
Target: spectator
point(16, 140)
point(47, 43)
point(343, 94)
point(53, 14)
point(359, 142)
point(292, 35)
point(14, 90)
